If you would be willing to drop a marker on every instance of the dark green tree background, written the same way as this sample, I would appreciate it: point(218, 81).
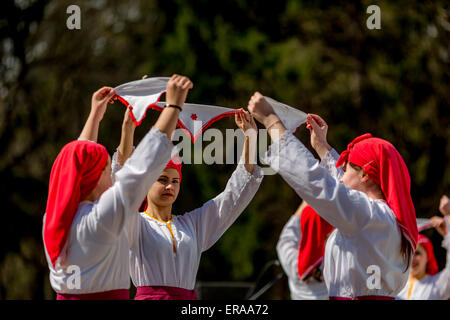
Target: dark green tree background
point(316, 56)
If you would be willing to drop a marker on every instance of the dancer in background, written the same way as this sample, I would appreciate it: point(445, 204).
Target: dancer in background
point(369, 253)
point(300, 250)
point(425, 281)
point(166, 248)
point(83, 229)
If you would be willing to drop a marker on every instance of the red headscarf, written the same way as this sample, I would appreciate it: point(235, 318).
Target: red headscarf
point(174, 163)
point(385, 166)
point(75, 174)
point(314, 230)
point(432, 266)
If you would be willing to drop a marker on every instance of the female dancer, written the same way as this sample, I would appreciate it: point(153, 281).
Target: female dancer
point(300, 250)
point(165, 248)
point(369, 254)
point(425, 281)
point(85, 246)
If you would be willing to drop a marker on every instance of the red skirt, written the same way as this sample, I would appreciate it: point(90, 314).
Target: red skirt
point(164, 293)
point(364, 298)
point(119, 294)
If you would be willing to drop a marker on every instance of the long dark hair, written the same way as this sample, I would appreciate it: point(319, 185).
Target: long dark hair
point(406, 251)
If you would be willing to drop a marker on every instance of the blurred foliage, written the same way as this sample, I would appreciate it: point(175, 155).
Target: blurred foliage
point(316, 56)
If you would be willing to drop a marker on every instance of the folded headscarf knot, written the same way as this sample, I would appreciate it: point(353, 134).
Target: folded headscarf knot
point(344, 155)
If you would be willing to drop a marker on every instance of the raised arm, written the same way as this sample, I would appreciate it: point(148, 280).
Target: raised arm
point(318, 129)
point(177, 90)
point(142, 169)
point(99, 102)
point(247, 124)
point(217, 215)
point(292, 160)
point(262, 111)
point(126, 139)
point(441, 280)
point(444, 205)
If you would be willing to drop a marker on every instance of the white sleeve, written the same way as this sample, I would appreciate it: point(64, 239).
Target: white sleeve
point(441, 280)
point(115, 165)
point(329, 163)
point(212, 219)
point(123, 199)
point(132, 228)
point(346, 209)
point(288, 246)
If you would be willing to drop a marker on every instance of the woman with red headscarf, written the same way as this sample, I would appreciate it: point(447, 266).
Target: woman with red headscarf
point(425, 281)
point(369, 254)
point(165, 249)
point(83, 229)
point(300, 250)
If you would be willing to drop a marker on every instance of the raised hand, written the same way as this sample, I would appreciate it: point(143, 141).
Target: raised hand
point(444, 206)
point(100, 100)
point(127, 121)
point(245, 121)
point(261, 110)
point(177, 90)
point(318, 129)
point(439, 224)
point(126, 139)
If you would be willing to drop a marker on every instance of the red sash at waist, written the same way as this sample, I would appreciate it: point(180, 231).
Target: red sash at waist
point(164, 293)
point(119, 294)
point(364, 298)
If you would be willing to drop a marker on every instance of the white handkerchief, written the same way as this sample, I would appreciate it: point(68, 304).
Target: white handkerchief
point(423, 224)
point(196, 118)
point(140, 95)
point(292, 118)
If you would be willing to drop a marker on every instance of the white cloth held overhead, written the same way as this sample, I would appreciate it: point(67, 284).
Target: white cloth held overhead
point(140, 95)
point(423, 224)
point(292, 118)
point(195, 118)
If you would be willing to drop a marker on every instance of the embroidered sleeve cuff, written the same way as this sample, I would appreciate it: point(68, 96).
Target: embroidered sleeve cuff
point(256, 175)
point(330, 159)
point(274, 149)
point(329, 163)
